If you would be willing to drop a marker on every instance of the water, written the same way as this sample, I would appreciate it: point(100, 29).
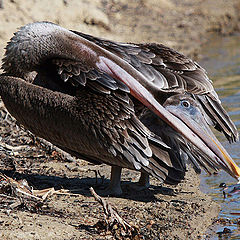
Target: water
point(222, 61)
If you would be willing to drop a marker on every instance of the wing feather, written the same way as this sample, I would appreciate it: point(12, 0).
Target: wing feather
point(172, 72)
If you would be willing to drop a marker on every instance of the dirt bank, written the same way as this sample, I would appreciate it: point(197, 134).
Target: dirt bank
point(182, 212)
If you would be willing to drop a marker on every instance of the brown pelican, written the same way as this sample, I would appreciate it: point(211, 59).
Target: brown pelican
point(87, 95)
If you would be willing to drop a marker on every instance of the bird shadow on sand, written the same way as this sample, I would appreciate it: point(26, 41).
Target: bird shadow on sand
point(82, 185)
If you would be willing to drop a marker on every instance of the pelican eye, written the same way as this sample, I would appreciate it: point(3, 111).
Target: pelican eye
point(185, 103)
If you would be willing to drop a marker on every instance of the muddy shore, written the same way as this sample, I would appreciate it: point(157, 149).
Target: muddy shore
point(181, 212)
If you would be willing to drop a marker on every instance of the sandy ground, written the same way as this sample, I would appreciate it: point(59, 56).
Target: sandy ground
point(182, 212)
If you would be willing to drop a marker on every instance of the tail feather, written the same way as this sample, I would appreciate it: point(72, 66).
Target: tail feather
point(219, 116)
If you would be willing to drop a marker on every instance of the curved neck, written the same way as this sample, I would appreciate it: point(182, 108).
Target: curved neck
point(35, 43)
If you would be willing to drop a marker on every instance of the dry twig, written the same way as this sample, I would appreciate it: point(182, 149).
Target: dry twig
point(111, 215)
point(22, 193)
point(13, 148)
point(119, 228)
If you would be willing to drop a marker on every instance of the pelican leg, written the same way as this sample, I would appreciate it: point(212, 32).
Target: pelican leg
point(142, 184)
point(144, 180)
point(114, 187)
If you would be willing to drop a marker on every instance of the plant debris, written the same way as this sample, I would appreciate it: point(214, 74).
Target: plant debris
point(22, 194)
point(19, 193)
point(113, 223)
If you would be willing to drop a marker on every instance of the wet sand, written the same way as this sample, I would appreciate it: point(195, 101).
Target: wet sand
point(181, 212)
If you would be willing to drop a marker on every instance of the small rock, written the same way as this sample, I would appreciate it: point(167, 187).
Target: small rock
point(225, 231)
point(222, 185)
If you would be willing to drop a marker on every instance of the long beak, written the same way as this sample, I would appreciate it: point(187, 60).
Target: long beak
point(143, 90)
point(199, 126)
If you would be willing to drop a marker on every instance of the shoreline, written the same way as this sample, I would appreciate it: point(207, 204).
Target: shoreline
point(181, 212)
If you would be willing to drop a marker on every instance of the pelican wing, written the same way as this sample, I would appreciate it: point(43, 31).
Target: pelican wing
point(128, 141)
point(173, 73)
point(130, 144)
point(166, 68)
